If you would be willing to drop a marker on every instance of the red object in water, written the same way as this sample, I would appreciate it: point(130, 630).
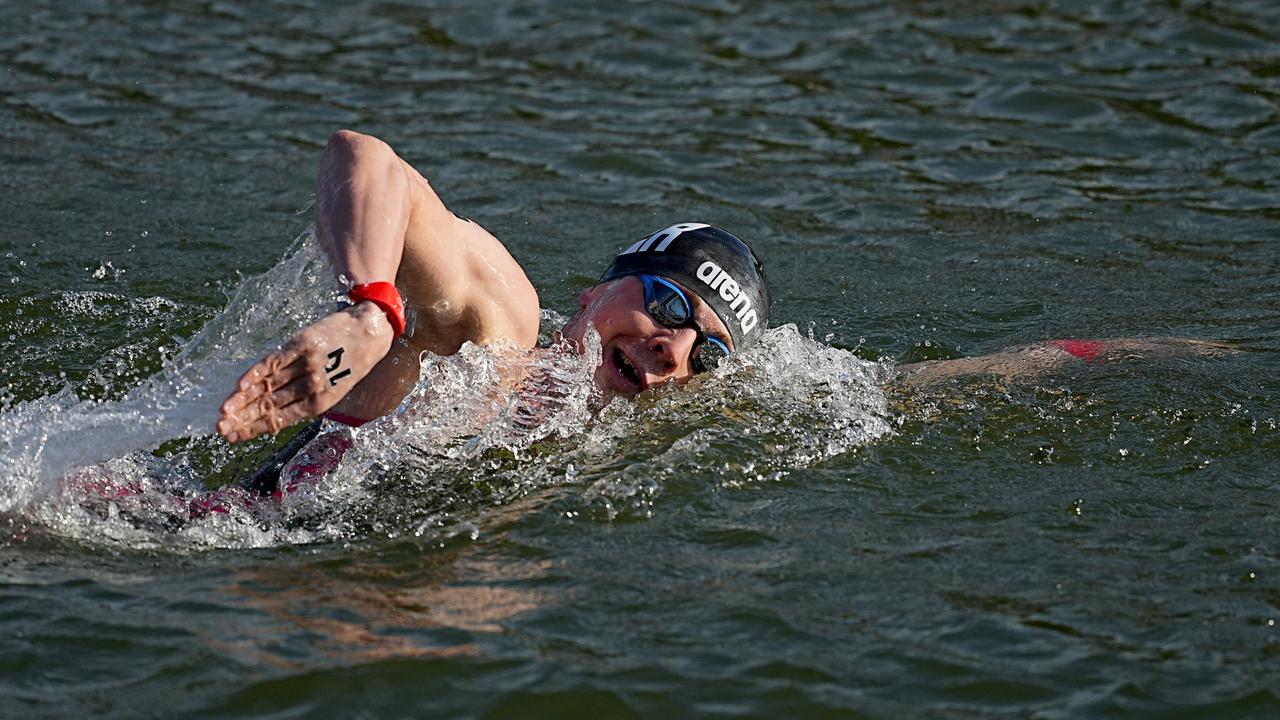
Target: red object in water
point(1087, 350)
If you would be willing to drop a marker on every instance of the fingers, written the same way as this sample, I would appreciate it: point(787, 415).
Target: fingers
point(265, 397)
point(271, 372)
point(272, 412)
point(315, 369)
point(268, 421)
point(256, 384)
point(271, 396)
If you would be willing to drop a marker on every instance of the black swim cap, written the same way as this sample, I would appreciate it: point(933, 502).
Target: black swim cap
point(713, 264)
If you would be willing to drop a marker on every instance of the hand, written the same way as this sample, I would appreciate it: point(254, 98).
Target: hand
point(315, 369)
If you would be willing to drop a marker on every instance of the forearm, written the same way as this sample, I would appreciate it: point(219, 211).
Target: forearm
point(363, 205)
point(1010, 362)
point(1031, 360)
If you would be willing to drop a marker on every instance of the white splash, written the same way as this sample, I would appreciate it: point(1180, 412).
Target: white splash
point(458, 444)
point(788, 403)
point(44, 439)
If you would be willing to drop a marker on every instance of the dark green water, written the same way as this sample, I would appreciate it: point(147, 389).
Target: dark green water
point(925, 180)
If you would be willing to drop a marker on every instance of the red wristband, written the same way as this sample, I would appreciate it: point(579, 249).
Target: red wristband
point(386, 296)
point(1087, 350)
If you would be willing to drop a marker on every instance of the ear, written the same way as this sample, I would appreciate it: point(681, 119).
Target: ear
point(588, 296)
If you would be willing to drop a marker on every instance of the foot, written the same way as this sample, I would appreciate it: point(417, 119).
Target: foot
point(315, 369)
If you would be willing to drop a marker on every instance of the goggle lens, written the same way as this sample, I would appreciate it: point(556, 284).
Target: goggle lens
point(668, 305)
point(708, 354)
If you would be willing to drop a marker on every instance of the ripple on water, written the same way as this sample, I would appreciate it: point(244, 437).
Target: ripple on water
point(1109, 167)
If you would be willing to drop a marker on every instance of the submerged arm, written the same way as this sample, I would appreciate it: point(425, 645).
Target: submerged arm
point(1030, 360)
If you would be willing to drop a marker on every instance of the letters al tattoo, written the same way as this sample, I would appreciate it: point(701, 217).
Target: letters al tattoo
point(336, 362)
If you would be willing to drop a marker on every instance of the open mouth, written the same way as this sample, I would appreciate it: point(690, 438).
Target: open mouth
point(627, 370)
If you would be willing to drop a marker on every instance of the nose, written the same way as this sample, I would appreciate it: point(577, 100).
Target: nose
point(671, 351)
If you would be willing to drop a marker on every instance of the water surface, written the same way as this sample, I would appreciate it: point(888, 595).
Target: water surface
point(924, 181)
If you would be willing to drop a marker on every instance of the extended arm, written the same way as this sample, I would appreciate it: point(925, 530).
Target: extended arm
point(363, 206)
point(1030, 360)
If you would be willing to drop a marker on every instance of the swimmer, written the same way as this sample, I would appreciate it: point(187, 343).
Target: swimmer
point(421, 278)
point(670, 306)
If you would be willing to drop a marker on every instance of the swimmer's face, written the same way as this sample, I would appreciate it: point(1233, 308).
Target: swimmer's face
point(637, 351)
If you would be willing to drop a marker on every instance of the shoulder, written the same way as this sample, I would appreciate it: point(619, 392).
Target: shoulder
point(466, 285)
point(462, 281)
point(500, 292)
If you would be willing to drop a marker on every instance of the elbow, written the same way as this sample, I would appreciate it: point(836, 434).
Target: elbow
point(354, 164)
point(351, 155)
point(347, 139)
point(351, 145)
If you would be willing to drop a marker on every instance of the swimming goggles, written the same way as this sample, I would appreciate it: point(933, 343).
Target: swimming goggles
point(667, 304)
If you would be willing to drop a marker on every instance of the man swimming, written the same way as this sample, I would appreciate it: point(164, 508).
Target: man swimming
point(669, 306)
